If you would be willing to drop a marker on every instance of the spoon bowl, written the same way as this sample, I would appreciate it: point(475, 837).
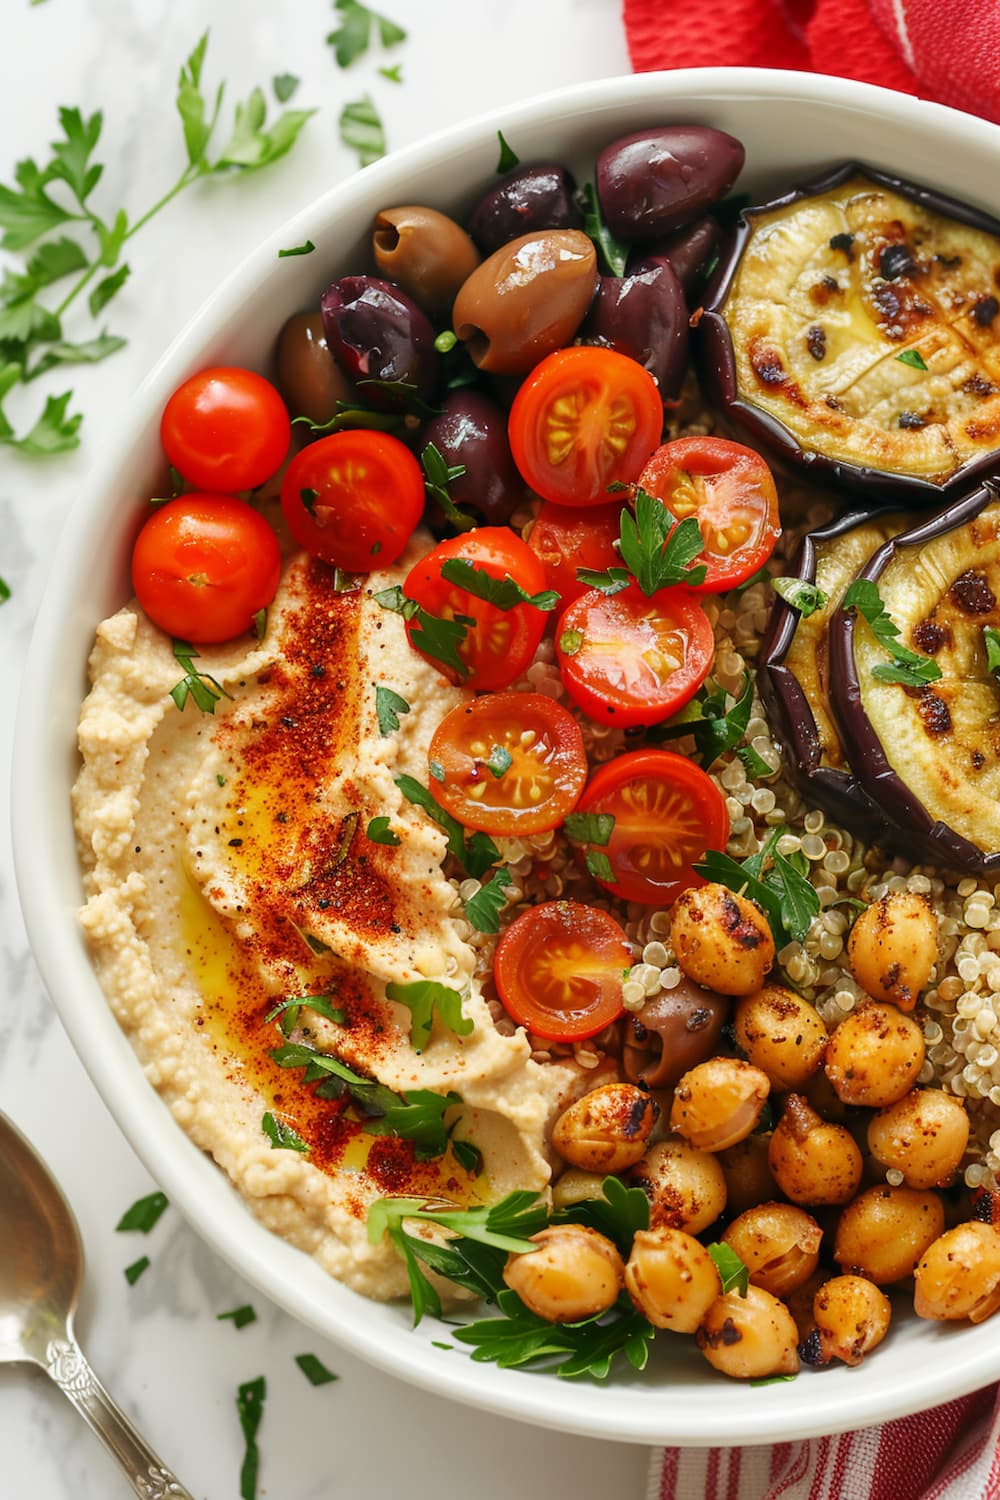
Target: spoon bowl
point(41, 1271)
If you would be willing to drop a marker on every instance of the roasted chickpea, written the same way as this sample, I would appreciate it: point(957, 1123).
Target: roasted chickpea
point(671, 1278)
point(800, 1304)
point(685, 1186)
point(778, 1244)
point(850, 1317)
point(425, 252)
point(749, 1179)
point(813, 1161)
point(874, 1055)
point(893, 947)
point(959, 1275)
point(782, 1034)
point(749, 1337)
point(574, 1186)
point(719, 1102)
point(885, 1231)
point(606, 1130)
point(923, 1135)
point(575, 1273)
point(721, 940)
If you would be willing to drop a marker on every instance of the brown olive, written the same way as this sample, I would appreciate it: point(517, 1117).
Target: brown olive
point(527, 300)
point(427, 253)
point(673, 1032)
point(781, 1033)
point(309, 377)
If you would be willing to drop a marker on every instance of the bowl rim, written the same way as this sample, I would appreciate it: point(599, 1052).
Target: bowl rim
point(688, 1417)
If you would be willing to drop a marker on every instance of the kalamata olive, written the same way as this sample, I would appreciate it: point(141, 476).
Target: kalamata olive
point(471, 430)
point(527, 300)
point(645, 317)
point(425, 252)
point(688, 252)
point(526, 199)
point(309, 377)
point(376, 332)
point(673, 1032)
point(656, 180)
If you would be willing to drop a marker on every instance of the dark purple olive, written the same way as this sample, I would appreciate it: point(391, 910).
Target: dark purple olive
point(656, 180)
point(645, 317)
point(472, 430)
point(689, 252)
point(526, 199)
point(376, 332)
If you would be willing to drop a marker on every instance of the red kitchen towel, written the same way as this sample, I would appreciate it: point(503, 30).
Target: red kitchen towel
point(941, 49)
point(949, 1453)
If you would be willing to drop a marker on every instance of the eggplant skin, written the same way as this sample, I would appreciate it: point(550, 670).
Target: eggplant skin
point(930, 756)
point(822, 292)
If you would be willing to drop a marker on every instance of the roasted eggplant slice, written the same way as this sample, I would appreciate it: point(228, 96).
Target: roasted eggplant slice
point(929, 754)
point(855, 326)
point(793, 667)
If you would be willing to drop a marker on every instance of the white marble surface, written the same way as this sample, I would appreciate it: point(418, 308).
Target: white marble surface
point(158, 1345)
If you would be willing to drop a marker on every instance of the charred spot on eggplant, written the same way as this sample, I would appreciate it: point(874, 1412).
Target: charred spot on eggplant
point(855, 327)
point(930, 756)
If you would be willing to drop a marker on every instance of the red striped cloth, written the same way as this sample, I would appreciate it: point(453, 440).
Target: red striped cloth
point(949, 1453)
point(941, 49)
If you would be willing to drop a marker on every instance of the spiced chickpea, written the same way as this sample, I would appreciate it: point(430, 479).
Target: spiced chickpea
point(874, 1055)
point(721, 940)
point(893, 947)
point(575, 1273)
point(778, 1244)
point(719, 1102)
point(671, 1278)
point(959, 1275)
point(885, 1231)
point(850, 1317)
point(923, 1135)
point(749, 1337)
point(749, 1178)
point(813, 1161)
point(782, 1034)
point(606, 1130)
point(685, 1187)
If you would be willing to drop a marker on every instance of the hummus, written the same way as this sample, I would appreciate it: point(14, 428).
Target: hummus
point(227, 868)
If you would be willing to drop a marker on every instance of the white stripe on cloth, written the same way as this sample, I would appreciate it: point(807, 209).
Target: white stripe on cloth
point(903, 33)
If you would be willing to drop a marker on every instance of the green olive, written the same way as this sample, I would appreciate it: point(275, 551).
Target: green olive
point(425, 253)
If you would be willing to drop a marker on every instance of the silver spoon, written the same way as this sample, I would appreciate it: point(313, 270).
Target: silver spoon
point(41, 1268)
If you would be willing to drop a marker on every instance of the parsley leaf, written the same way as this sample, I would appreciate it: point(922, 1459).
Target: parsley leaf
point(508, 158)
point(419, 1117)
point(715, 727)
point(143, 1215)
point(503, 593)
point(4, 591)
point(388, 707)
point(484, 908)
point(589, 1348)
point(250, 1408)
point(305, 249)
point(658, 549)
point(589, 828)
point(314, 1369)
point(393, 74)
point(991, 639)
point(289, 1011)
point(475, 854)
point(435, 637)
point(361, 129)
point(507, 1225)
point(908, 668)
point(425, 998)
point(438, 475)
point(913, 358)
point(732, 1272)
point(352, 38)
point(135, 1270)
point(499, 761)
point(283, 1137)
point(618, 1214)
point(238, 1316)
point(379, 832)
point(613, 252)
point(784, 893)
point(284, 86)
point(803, 596)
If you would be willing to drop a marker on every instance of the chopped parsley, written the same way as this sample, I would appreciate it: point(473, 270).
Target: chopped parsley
point(314, 1369)
point(503, 593)
point(483, 909)
point(657, 550)
point(4, 591)
point(570, 642)
point(379, 832)
point(283, 1137)
point(135, 1270)
point(306, 248)
point(353, 34)
point(435, 637)
point(143, 1215)
point(783, 891)
point(438, 473)
point(284, 86)
point(803, 596)
point(590, 829)
point(508, 158)
point(426, 998)
point(991, 640)
point(388, 707)
point(908, 668)
point(913, 358)
point(203, 689)
point(613, 252)
point(476, 853)
point(715, 726)
point(499, 761)
point(361, 129)
point(250, 1409)
point(238, 1316)
point(733, 1274)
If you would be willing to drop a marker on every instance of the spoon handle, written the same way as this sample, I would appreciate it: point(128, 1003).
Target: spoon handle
point(66, 1365)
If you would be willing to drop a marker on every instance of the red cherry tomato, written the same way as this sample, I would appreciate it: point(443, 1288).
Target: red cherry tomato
point(513, 763)
point(626, 659)
point(354, 499)
point(667, 812)
point(498, 643)
point(730, 492)
point(225, 429)
point(203, 565)
point(559, 970)
point(564, 541)
point(583, 419)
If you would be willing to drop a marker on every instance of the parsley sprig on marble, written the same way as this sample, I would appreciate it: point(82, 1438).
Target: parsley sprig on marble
point(49, 216)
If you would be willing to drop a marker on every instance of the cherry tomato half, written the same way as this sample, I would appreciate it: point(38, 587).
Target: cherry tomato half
point(499, 643)
point(583, 419)
point(626, 659)
point(513, 763)
point(559, 970)
point(565, 540)
point(354, 499)
point(730, 492)
point(667, 812)
point(203, 565)
point(225, 429)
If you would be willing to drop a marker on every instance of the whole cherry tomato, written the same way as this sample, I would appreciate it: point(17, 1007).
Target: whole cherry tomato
point(225, 429)
point(354, 499)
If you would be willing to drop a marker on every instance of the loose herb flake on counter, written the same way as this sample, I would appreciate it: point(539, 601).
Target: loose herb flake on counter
point(388, 707)
point(424, 998)
point(352, 37)
point(283, 1137)
point(135, 1270)
point(4, 591)
point(314, 1369)
point(250, 1408)
point(240, 1317)
point(143, 1215)
point(361, 129)
point(284, 86)
point(908, 668)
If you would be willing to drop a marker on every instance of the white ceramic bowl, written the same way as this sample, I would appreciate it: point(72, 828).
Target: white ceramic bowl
point(791, 124)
